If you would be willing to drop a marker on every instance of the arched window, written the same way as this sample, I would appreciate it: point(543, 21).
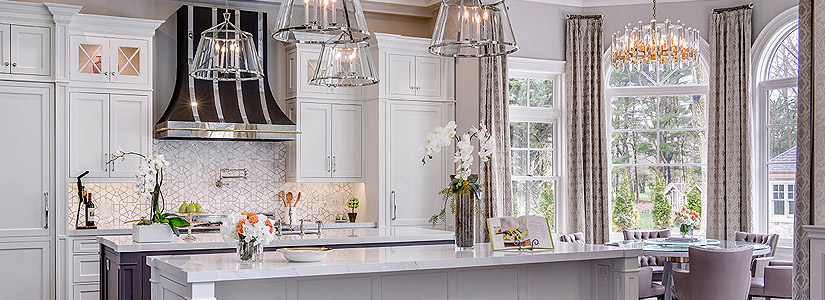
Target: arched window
point(657, 133)
point(776, 68)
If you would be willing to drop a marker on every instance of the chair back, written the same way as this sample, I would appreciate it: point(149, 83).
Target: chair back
point(576, 237)
point(647, 260)
point(722, 274)
point(767, 239)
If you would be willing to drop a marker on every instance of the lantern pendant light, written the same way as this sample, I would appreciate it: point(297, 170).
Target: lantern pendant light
point(344, 64)
point(473, 28)
point(319, 21)
point(227, 53)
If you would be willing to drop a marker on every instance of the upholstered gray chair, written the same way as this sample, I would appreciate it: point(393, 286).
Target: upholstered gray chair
point(715, 274)
point(576, 237)
point(656, 262)
point(648, 288)
point(767, 239)
point(776, 281)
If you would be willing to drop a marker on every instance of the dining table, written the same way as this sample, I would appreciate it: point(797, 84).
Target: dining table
point(675, 252)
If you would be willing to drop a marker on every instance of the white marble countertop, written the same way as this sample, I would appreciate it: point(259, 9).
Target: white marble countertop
point(329, 237)
point(226, 267)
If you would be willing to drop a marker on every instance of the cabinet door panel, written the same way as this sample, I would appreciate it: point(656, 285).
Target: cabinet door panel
point(415, 186)
point(346, 140)
point(31, 50)
point(291, 146)
point(26, 266)
point(308, 61)
point(401, 74)
point(89, 58)
point(86, 292)
point(88, 134)
point(314, 139)
point(5, 48)
point(128, 62)
point(428, 76)
point(129, 131)
point(25, 126)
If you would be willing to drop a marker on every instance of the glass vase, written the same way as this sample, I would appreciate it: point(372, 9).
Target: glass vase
point(464, 221)
point(250, 251)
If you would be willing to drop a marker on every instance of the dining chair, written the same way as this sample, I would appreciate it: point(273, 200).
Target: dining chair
point(715, 274)
point(576, 237)
point(767, 239)
point(656, 262)
point(776, 281)
point(648, 288)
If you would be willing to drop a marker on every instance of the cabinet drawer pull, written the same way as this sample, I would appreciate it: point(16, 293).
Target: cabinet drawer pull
point(106, 161)
point(327, 165)
point(46, 208)
point(394, 206)
point(334, 165)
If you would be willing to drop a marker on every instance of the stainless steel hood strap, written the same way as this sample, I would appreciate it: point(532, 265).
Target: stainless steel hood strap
point(216, 93)
point(191, 41)
point(238, 87)
point(261, 59)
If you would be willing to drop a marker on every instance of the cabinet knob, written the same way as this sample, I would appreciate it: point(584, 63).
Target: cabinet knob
point(13, 64)
point(106, 73)
point(6, 64)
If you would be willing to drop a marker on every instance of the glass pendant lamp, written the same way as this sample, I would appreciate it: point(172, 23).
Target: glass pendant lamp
point(318, 21)
point(473, 28)
point(227, 53)
point(345, 64)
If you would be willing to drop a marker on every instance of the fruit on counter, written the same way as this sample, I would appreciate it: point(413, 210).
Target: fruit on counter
point(190, 208)
point(198, 208)
point(183, 208)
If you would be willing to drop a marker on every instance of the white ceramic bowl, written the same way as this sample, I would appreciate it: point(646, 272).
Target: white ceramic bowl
point(304, 254)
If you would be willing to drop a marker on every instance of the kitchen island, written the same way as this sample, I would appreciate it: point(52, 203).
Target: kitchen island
point(571, 271)
point(124, 274)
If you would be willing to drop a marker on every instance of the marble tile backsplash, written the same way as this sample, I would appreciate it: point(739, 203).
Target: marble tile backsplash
point(194, 169)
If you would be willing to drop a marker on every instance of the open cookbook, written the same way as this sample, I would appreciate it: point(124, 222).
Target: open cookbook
point(508, 233)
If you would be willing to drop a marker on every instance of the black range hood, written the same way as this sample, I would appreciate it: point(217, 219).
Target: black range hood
point(225, 110)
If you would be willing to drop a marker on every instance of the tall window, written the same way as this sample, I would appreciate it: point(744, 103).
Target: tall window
point(534, 141)
point(657, 133)
point(776, 106)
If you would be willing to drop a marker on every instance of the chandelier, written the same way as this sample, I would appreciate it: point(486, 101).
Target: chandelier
point(227, 53)
point(473, 28)
point(345, 64)
point(318, 21)
point(655, 43)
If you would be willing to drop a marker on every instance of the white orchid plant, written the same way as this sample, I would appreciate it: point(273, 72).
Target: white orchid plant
point(463, 181)
point(148, 182)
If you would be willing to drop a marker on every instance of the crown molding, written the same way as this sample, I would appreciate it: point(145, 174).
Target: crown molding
point(598, 3)
point(111, 25)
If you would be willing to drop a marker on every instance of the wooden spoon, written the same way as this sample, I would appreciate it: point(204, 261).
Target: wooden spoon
point(296, 200)
point(289, 198)
point(283, 197)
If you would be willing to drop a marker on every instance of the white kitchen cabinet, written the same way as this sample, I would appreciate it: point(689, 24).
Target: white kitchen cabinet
point(26, 128)
point(102, 124)
point(25, 49)
point(106, 59)
point(26, 268)
point(413, 187)
point(86, 292)
point(414, 75)
point(329, 146)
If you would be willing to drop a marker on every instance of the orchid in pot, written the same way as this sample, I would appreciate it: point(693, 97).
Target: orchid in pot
point(158, 226)
point(463, 188)
point(251, 232)
point(687, 220)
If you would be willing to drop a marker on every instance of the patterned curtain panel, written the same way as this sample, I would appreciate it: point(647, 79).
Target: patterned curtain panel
point(729, 136)
point(587, 147)
point(810, 153)
point(493, 112)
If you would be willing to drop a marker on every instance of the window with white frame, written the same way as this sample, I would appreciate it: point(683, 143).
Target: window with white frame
point(775, 96)
point(535, 141)
point(658, 141)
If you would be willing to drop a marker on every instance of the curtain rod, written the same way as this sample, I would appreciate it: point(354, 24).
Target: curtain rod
point(584, 16)
point(721, 10)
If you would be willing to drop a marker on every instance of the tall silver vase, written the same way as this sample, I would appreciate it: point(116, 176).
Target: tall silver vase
point(464, 221)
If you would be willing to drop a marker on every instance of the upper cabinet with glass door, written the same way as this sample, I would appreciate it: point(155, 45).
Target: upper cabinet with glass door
point(112, 60)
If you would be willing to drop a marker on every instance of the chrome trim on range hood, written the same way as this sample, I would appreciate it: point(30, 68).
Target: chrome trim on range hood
point(203, 109)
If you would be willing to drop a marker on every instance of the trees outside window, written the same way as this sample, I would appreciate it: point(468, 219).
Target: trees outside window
point(658, 140)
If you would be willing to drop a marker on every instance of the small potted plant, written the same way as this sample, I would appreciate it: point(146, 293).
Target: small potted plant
point(687, 220)
point(352, 204)
point(158, 226)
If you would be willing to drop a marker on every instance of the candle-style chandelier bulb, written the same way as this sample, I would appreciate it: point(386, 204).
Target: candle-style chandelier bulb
point(318, 21)
point(227, 53)
point(345, 65)
point(473, 28)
